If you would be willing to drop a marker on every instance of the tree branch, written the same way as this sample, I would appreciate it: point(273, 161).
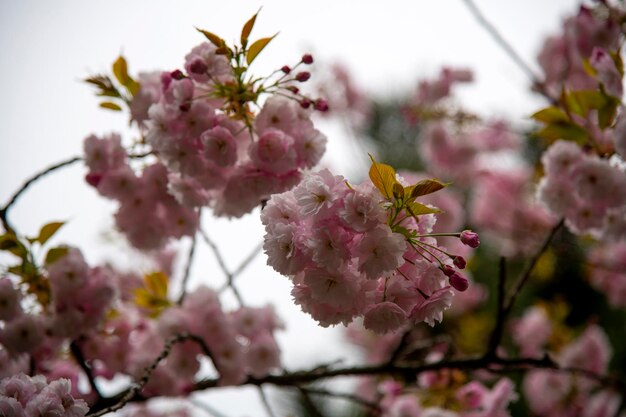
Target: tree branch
point(80, 359)
point(4, 210)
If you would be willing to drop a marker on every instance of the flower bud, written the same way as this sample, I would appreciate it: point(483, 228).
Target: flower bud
point(177, 74)
point(293, 89)
point(198, 67)
point(470, 238)
point(459, 282)
point(459, 262)
point(448, 270)
point(307, 59)
point(321, 105)
point(286, 69)
point(303, 76)
point(305, 103)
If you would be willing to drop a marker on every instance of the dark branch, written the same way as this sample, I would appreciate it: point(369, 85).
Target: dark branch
point(80, 359)
point(4, 210)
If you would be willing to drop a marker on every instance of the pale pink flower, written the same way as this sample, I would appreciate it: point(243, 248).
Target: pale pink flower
point(380, 251)
point(202, 64)
point(315, 192)
point(561, 157)
point(362, 210)
point(431, 309)
point(329, 245)
point(24, 333)
point(274, 152)
point(220, 146)
point(336, 287)
point(263, 355)
point(532, 331)
point(282, 253)
point(384, 317)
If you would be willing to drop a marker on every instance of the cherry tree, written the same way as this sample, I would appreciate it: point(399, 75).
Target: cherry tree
point(447, 267)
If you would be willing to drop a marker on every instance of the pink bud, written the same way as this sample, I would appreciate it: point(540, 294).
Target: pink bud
point(293, 89)
point(198, 67)
point(303, 76)
point(93, 179)
point(307, 59)
point(459, 262)
point(177, 74)
point(321, 105)
point(305, 103)
point(470, 238)
point(286, 69)
point(459, 282)
point(448, 270)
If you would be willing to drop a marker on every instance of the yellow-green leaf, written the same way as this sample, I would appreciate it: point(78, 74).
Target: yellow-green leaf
point(580, 102)
point(48, 230)
point(589, 69)
point(54, 254)
point(110, 106)
point(10, 243)
point(120, 70)
point(247, 28)
point(383, 177)
point(213, 38)
point(156, 283)
point(425, 187)
point(257, 47)
point(565, 131)
point(415, 209)
point(606, 114)
point(133, 87)
point(550, 114)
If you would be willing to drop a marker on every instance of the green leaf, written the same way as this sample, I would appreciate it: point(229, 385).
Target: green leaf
point(156, 283)
point(213, 38)
point(10, 243)
point(580, 102)
point(120, 70)
point(566, 131)
point(247, 28)
point(415, 209)
point(257, 47)
point(383, 177)
point(589, 69)
point(425, 187)
point(110, 106)
point(48, 230)
point(54, 254)
point(409, 234)
point(550, 114)
point(607, 114)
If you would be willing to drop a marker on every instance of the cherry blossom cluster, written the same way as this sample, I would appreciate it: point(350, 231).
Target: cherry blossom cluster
point(121, 322)
point(240, 343)
point(588, 191)
point(586, 37)
point(24, 396)
point(352, 251)
point(79, 297)
point(560, 394)
point(453, 397)
point(607, 266)
point(483, 161)
point(216, 144)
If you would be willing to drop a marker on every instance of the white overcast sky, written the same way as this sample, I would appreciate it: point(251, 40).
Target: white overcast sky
point(47, 47)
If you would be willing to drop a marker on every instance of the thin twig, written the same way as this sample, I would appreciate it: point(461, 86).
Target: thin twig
point(308, 402)
point(496, 335)
point(4, 210)
point(80, 359)
point(266, 403)
point(187, 272)
point(400, 346)
point(247, 260)
point(230, 276)
point(134, 392)
point(525, 275)
point(345, 396)
point(508, 49)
